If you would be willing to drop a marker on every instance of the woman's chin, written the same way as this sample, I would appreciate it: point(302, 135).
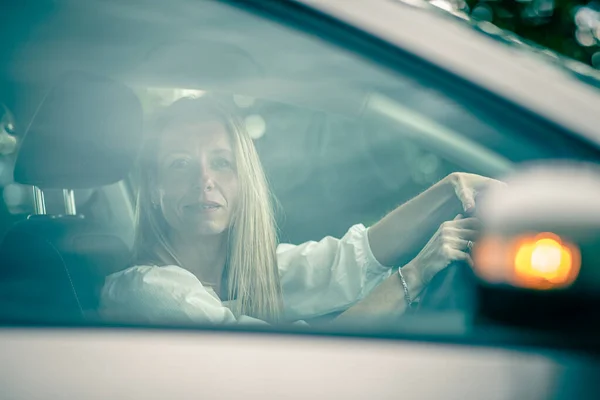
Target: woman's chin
point(209, 228)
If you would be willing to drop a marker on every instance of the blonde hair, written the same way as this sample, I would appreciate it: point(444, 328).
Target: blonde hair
point(251, 274)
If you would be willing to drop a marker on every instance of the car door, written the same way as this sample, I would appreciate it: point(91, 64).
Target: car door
point(348, 126)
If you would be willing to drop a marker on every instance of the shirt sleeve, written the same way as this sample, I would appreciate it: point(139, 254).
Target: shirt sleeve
point(322, 277)
point(169, 295)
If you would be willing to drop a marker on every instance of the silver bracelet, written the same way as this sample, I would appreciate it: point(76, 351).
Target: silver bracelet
point(409, 301)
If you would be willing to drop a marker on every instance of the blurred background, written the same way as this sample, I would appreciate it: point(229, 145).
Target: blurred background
point(568, 27)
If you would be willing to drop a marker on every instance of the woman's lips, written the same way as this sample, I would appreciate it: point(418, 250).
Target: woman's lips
point(204, 207)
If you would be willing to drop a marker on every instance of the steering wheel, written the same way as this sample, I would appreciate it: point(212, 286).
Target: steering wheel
point(452, 289)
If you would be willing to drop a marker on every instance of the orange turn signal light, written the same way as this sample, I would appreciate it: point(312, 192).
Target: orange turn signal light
point(542, 261)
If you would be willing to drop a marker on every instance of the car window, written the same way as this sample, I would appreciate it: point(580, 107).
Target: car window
point(343, 140)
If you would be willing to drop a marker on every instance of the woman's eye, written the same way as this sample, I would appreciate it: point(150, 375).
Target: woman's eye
point(180, 164)
point(222, 163)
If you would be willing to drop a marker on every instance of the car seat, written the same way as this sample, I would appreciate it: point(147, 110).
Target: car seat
point(85, 134)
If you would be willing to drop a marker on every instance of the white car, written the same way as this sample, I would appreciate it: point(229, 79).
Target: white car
point(355, 106)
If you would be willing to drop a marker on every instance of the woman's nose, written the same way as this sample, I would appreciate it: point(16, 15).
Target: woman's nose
point(205, 181)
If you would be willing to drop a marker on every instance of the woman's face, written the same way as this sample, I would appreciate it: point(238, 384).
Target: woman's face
point(197, 183)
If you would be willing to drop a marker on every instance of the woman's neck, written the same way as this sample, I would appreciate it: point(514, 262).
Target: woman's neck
point(204, 256)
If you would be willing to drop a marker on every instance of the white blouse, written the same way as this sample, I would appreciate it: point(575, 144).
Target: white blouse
point(317, 278)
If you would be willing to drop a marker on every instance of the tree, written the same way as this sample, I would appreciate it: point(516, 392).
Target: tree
point(569, 27)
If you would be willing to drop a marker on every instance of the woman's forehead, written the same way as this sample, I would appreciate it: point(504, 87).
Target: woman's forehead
point(194, 136)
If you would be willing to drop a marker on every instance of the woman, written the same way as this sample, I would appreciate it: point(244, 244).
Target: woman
point(206, 247)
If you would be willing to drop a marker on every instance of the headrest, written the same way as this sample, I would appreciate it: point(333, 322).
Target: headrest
point(86, 133)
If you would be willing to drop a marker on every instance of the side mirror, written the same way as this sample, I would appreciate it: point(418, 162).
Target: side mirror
point(538, 259)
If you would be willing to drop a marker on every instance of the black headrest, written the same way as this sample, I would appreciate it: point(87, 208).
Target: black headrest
point(86, 133)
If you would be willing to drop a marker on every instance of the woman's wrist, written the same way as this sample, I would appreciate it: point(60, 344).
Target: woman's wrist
point(413, 277)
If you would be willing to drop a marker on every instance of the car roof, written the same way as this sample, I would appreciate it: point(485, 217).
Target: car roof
point(139, 28)
point(556, 90)
point(197, 45)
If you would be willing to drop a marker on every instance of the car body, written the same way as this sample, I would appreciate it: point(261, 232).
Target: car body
point(63, 364)
point(489, 107)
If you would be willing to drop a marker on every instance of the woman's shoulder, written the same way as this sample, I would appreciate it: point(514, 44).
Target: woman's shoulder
point(140, 287)
point(163, 294)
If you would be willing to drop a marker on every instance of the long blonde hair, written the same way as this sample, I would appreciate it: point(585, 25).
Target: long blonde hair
point(251, 274)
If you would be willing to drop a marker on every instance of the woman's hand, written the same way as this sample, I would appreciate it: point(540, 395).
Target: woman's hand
point(467, 186)
point(449, 243)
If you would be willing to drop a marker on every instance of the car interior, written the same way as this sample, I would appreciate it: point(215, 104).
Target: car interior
point(343, 141)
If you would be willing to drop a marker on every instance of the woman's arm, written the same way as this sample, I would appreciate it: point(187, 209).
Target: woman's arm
point(318, 278)
point(387, 301)
point(398, 237)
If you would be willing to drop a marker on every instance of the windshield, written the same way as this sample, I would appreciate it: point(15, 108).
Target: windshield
point(196, 164)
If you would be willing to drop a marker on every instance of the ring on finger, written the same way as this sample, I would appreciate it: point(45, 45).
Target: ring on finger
point(469, 245)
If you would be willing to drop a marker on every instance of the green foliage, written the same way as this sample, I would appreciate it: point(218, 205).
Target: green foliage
point(559, 25)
